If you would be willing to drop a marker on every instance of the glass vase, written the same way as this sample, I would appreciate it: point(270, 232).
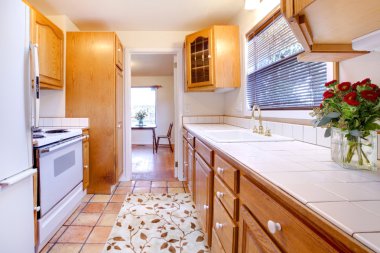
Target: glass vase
point(141, 122)
point(354, 152)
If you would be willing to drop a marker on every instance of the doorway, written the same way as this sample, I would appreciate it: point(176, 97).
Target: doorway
point(152, 86)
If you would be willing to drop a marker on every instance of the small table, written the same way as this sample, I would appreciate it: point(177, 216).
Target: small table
point(147, 127)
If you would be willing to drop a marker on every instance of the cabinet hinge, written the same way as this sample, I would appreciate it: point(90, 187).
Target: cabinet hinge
point(175, 65)
point(176, 164)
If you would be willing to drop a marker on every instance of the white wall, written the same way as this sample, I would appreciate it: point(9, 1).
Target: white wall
point(164, 109)
point(359, 68)
point(53, 101)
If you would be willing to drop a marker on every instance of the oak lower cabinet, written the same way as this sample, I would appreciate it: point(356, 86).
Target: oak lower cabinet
point(188, 161)
point(253, 239)
point(203, 195)
point(86, 159)
point(190, 170)
point(241, 212)
point(94, 90)
point(185, 155)
point(50, 40)
point(213, 59)
point(285, 229)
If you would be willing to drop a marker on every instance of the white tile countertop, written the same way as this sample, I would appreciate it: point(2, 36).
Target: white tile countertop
point(348, 199)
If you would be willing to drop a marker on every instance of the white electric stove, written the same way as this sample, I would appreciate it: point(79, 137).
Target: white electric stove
point(48, 136)
point(59, 162)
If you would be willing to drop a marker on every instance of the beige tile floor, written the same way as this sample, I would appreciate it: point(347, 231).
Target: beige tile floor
point(87, 229)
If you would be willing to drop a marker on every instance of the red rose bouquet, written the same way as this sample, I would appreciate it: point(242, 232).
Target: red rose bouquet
point(353, 108)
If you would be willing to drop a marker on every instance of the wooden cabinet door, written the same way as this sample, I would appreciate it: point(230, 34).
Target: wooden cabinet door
point(86, 162)
point(252, 238)
point(119, 123)
point(50, 42)
point(185, 155)
point(203, 190)
point(119, 53)
point(199, 59)
point(190, 170)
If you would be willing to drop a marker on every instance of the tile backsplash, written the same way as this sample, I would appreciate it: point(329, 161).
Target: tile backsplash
point(202, 120)
point(64, 122)
point(303, 133)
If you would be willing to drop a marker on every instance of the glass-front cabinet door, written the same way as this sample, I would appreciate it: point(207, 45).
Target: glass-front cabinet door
point(199, 59)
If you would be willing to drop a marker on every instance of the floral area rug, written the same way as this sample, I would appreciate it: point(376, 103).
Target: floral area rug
point(149, 223)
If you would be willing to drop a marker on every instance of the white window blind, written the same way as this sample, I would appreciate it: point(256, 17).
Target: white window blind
point(275, 79)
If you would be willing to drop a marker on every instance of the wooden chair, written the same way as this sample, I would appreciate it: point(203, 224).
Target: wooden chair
point(167, 136)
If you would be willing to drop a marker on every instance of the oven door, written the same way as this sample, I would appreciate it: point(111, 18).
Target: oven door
point(60, 171)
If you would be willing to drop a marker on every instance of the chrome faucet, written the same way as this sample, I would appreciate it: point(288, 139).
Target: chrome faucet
point(259, 130)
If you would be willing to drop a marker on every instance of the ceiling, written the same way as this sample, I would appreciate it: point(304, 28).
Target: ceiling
point(142, 15)
point(152, 64)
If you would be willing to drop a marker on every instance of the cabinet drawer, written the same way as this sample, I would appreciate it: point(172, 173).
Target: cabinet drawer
point(205, 152)
point(227, 173)
point(216, 244)
point(294, 236)
point(226, 197)
point(225, 228)
point(252, 238)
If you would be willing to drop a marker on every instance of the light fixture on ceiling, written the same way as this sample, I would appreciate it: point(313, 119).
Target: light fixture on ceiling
point(251, 4)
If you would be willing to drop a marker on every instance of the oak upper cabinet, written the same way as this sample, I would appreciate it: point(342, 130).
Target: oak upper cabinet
point(86, 159)
point(204, 191)
point(213, 59)
point(50, 40)
point(94, 90)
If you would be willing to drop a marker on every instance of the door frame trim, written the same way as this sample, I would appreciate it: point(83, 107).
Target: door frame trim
point(178, 76)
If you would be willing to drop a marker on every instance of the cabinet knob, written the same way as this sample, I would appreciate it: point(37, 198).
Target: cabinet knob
point(218, 225)
point(220, 170)
point(37, 208)
point(205, 207)
point(219, 194)
point(273, 227)
point(86, 166)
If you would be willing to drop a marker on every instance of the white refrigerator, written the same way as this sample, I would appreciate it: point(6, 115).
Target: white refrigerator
point(16, 99)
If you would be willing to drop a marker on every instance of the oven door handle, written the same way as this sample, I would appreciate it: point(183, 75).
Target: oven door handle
point(65, 144)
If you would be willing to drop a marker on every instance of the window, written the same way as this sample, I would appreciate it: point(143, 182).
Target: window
point(275, 79)
point(143, 98)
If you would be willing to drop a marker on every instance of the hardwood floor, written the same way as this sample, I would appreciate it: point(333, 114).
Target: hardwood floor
point(149, 166)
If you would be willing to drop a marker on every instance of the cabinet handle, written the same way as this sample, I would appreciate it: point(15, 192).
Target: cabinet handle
point(273, 227)
point(205, 207)
point(218, 225)
point(219, 194)
point(86, 166)
point(37, 208)
point(220, 170)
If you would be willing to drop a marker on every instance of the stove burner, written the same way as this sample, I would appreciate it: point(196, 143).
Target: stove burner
point(37, 130)
point(56, 131)
point(38, 136)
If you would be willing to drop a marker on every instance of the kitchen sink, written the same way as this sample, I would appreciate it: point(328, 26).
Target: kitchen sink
point(242, 136)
